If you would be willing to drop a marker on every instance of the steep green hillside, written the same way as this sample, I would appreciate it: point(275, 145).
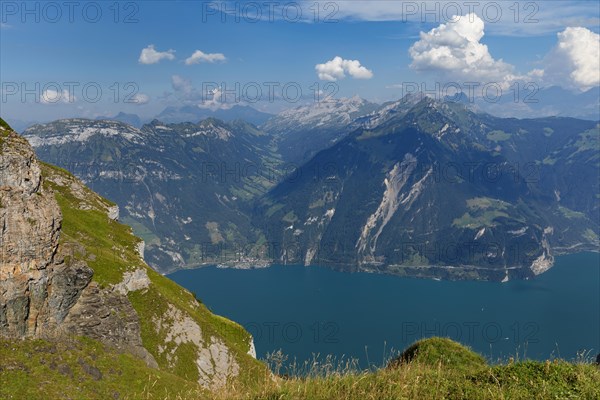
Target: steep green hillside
point(111, 250)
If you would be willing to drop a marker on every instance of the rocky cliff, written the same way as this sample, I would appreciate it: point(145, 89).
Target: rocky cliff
point(68, 268)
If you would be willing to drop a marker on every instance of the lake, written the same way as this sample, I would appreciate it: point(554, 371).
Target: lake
point(306, 310)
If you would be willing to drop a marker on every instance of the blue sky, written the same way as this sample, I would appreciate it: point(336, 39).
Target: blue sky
point(377, 36)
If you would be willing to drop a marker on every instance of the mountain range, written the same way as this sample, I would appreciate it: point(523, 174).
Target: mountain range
point(194, 113)
point(185, 188)
point(433, 189)
point(413, 187)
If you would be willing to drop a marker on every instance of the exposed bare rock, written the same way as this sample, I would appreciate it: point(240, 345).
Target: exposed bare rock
point(133, 281)
point(394, 183)
point(141, 248)
point(113, 213)
point(30, 222)
point(214, 359)
point(40, 295)
point(108, 316)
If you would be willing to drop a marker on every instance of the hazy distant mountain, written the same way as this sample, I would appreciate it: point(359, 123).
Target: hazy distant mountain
point(303, 131)
point(552, 101)
point(195, 114)
point(131, 119)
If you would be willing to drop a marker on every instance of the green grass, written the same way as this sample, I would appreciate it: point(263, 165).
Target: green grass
point(485, 219)
point(213, 232)
point(588, 140)
point(6, 127)
point(80, 368)
point(435, 368)
point(485, 203)
point(290, 217)
point(4, 131)
point(142, 231)
point(498, 136)
point(152, 304)
point(36, 369)
point(430, 369)
point(567, 212)
point(444, 351)
point(273, 209)
point(483, 211)
point(107, 246)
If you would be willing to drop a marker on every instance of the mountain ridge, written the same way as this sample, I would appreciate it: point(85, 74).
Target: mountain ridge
point(415, 143)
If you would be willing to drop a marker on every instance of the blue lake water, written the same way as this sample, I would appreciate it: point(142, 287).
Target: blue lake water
point(310, 310)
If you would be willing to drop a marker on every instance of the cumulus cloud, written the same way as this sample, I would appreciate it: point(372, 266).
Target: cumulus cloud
point(181, 84)
point(455, 51)
point(545, 18)
point(575, 61)
point(337, 68)
point(207, 97)
point(200, 56)
point(150, 56)
point(51, 96)
point(140, 99)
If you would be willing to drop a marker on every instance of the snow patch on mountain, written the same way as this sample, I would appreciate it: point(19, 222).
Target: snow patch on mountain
point(79, 130)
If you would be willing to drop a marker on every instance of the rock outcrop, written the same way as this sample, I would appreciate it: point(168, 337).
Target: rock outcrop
point(40, 294)
point(30, 221)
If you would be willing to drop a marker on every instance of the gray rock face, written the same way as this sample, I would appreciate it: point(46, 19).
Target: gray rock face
point(113, 213)
point(40, 295)
point(95, 316)
point(30, 221)
point(132, 281)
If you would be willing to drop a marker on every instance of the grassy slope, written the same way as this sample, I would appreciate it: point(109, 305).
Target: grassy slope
point(35, 369)
point(432, 369)
point(421, 381)
point(438, 368)
point(109, 249)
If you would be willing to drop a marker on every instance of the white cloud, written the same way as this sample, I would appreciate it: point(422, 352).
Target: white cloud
point(454, 51)
point(151, 56)
point(181, 84)
point(200, 56)
point(503, 18)
point(216, 101)
point(338, 68)
point(140, 99)
point(575, 61)
point(51, 96)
